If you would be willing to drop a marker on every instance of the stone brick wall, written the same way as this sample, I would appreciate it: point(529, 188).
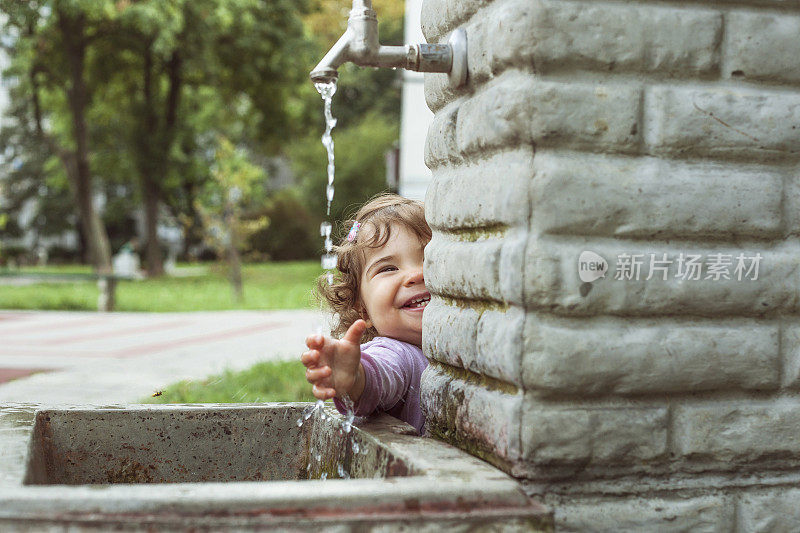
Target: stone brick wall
point(645, 127)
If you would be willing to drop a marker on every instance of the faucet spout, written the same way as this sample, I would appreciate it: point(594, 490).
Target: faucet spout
point(327, 69)
point(360, 45)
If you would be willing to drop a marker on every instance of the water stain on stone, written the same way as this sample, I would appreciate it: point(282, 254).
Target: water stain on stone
point(585, 288)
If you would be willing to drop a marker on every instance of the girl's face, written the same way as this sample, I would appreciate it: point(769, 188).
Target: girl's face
point(392, 288)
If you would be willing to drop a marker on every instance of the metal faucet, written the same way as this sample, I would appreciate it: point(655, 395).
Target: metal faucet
point(360, 45)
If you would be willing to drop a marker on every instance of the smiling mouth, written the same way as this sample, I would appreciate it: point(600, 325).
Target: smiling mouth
point(418, 302)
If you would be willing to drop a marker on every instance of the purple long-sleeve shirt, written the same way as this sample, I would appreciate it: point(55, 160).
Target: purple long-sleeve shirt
point(392, 370)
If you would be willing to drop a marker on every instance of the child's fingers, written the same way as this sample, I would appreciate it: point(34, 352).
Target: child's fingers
point(355, 332)
point(310, 358)
point(323, 393)
point(313, 375)
point(315, 341)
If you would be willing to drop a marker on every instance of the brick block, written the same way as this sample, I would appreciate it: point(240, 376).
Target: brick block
point(739, 432)
point(512, 265)
point(433, 398)
point(762, 46)
point(790, 350)
point(439, 92)
point(517, 108)
point(498, 344)
point(484, 421)
point(463, 269)
point(722, 122)
point(766, 3)
point(651, 515)
point(552, 282)
point(558, 436)
point(589, 194)
point(494, 192)
point(449, 332)
point(440, 144)
point(611, 355)
point(791, 203)
point(769, 511)
point(440, 17)
point(593, 36)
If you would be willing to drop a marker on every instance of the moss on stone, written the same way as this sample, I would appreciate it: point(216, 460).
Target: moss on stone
point(473, 378)
point(480, 233)
point(477, 305)
point(472, 446)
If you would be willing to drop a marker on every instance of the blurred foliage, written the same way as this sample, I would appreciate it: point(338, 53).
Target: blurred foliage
point(235, 185)
point(164, 81)
point(359, 173)
point(291, 233)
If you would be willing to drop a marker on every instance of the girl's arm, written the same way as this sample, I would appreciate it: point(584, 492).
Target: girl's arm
point(388, 373)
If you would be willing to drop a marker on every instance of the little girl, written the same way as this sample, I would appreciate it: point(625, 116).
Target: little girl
point(378, 295)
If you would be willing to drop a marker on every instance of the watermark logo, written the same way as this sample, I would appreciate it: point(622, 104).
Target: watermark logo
point(591, 266)
point(683, 266)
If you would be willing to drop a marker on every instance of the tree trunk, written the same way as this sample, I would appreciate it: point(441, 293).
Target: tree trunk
point(234, 260)
point(155, 259)
point(77, 162)
point(149, 173)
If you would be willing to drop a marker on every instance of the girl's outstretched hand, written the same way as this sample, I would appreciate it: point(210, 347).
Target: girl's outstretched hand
point(333, 366)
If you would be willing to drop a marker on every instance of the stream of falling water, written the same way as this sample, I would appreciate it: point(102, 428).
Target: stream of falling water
point(326, 91)
point(328, 261)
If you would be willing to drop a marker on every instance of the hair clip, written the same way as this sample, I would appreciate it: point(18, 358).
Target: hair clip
point(353, 231)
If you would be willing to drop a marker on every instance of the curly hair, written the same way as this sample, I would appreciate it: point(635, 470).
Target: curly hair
point(379, 214)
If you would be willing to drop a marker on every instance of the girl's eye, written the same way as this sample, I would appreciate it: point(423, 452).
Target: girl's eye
point(387, 268)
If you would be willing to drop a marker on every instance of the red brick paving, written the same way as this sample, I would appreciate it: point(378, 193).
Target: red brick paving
point(138, 330)
point(198, 339)
point(34, 328)
point(7, 374)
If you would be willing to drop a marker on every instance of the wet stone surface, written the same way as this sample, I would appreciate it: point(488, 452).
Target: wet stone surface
point(241, 467)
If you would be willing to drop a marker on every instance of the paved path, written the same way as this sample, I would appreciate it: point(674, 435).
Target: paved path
point(100, 358)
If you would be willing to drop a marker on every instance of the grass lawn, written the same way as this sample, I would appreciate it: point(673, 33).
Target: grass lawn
point(273, 381)
point(197, 287)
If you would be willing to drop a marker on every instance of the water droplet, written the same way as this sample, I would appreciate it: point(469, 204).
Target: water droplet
point(325, 229)
point(299, 422)
point(324, 476)
point(329, 261)
point(355, 447)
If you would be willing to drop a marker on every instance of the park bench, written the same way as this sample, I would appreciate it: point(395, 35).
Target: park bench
point(106, 283)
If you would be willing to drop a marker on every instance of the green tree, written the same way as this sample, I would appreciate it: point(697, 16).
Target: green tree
point(237, 185)
point(193, 68)
point(31, 178)
point(52, 39)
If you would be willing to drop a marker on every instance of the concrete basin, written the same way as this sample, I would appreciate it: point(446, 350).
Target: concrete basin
point(242, 467)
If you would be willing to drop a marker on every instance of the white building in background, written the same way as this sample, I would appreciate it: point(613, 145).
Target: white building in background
point(415, 117)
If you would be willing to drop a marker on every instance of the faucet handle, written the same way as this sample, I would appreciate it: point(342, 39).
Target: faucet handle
point(450, 57)
point(459, 69)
